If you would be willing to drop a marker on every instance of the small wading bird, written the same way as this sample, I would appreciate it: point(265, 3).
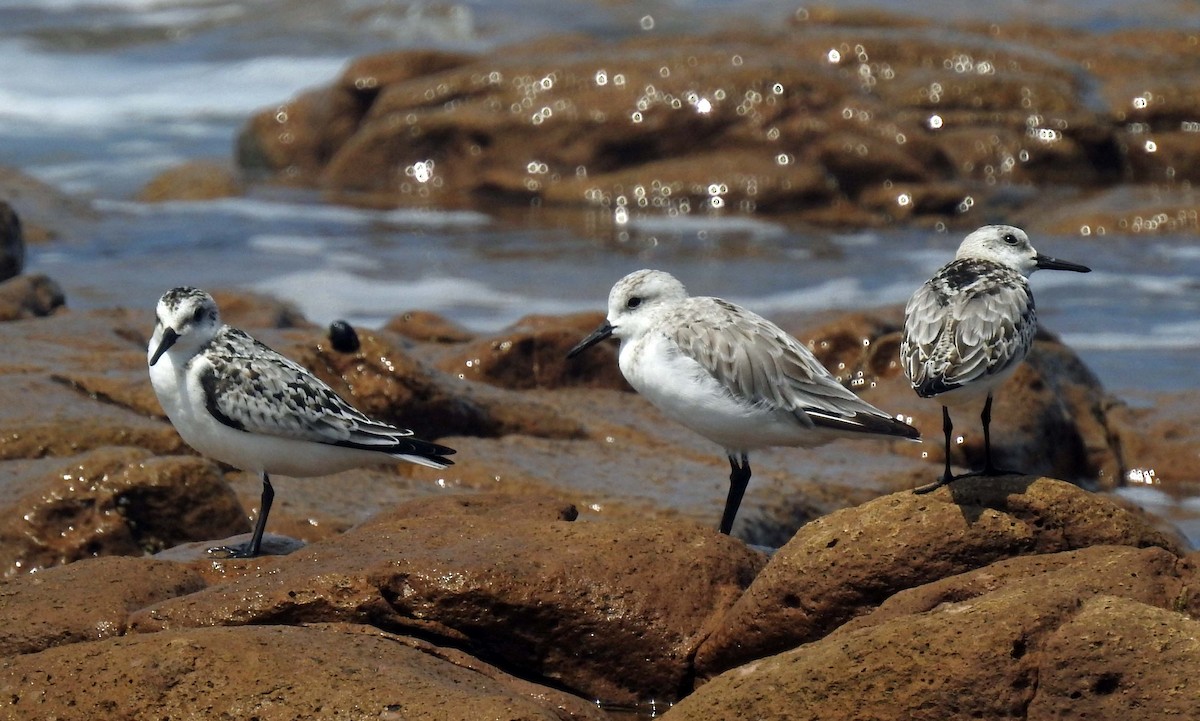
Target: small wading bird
point(236, 400)
point(730, 375)
point(971, 324)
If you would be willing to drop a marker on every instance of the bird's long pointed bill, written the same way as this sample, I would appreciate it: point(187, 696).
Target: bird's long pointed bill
point(597, 335)
point(1045, 262)
point(169, 337)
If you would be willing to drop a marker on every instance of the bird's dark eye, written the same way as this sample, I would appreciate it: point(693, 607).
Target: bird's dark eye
point(1010, 239)
point(633, 302)
point(197, 315)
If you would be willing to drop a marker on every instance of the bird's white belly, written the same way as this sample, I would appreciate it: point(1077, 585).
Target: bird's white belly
point(183, 400)
point(682, 389)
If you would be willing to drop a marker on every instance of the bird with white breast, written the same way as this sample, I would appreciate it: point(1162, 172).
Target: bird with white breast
point(730, 375)
point(235, 400)
point(969, 326)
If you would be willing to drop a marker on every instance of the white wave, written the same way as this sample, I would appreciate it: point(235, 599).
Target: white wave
point(329, 294)
point(269, 210)
point(713, 224)
point(1116, 341)
point(839, 293)
point(91, 92)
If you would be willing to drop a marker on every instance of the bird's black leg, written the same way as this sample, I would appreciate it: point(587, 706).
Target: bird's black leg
point(739, 478)
point(947, 476)
point(986, 418)
point(251, 549)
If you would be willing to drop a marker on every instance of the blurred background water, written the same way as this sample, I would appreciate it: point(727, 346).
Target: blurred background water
point(97, 96)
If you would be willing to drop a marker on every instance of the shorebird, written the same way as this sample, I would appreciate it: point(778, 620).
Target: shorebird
point(234, 399)
point(969, 326)
point(730, 375)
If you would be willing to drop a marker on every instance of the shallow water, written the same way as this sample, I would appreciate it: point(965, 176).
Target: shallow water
point(97, 96)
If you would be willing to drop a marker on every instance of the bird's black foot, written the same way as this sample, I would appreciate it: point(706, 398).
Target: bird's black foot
point(931, 487)
point(240, 550)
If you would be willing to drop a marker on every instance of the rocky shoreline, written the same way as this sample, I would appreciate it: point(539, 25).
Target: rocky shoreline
point(570, 556)
point(568, 567)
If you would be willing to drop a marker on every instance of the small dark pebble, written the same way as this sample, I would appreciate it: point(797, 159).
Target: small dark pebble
point(343, 337)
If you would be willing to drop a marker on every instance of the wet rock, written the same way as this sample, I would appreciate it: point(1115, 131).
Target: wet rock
point(821, 120)
point(533, 354)
point(115, 501)
point(423, 326)
point(1042, 638)
point(12, 243)
point(244, 309)
point(387, 382)
point(30, 296)
point(41, 610)
point(269, 673)
point(192, 181)
point(1160, 445)
point(46, 212)
point(611, 610)
point(77, 381)
point(845, 564)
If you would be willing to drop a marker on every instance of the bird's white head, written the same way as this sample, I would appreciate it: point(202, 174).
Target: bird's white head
point(638, 299)
point(634, 304)
point(1010, 246)
point(186, 319)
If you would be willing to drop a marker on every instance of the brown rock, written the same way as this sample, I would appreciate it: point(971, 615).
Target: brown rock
point(191, 181)
point(427, 327)
point(30, 296)
point(1159, 444)
point(243, 309)
point(116, 501)
point(844, 564)
point(1117, 659)
point(271, 673)
point(821, 120)
point(42, 610)
point(533, 354)
point(1047, 642)
point(612, 610)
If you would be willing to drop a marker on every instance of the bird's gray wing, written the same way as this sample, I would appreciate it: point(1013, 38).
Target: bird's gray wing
point(759, 363)
point(251, 387)
point(953, 336)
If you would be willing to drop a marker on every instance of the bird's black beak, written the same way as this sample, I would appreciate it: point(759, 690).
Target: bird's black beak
point(1045, 262)
point(168, 340)
point(597, 335)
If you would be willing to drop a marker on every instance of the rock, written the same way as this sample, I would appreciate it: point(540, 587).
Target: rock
point(12, 243)
point(389, 383)
point(1044, 640)
point(30, 296)
point(423, 326)
point(1107, 671)
point(822, 121)
point(115, 501)
point(612, 611)
point(533, 354)
point(41, 610)
point(845, 564)
point(1159, 444)
point(271, 673)
point(53, 401)
point(192, 181)
point(244, 309)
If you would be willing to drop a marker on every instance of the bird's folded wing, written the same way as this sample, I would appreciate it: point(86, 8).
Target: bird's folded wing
point(253, 388)
point(975, 333)
point(758, 363)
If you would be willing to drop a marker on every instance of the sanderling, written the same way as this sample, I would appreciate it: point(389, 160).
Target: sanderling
point(236, 400)
point(730, 375)
point(971, 324)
